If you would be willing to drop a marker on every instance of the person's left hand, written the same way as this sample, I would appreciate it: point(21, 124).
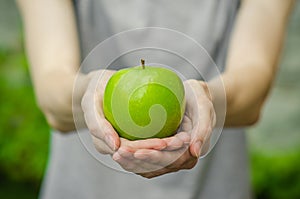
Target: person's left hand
point(183, 149)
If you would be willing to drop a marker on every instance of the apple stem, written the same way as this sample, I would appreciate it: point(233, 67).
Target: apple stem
point(143, 63)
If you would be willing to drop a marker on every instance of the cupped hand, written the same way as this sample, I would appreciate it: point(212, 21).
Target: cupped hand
point(105, 138)
point(180, 151)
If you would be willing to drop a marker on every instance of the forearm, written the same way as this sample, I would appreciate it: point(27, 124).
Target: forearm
point(53, 52)
point(253, 58)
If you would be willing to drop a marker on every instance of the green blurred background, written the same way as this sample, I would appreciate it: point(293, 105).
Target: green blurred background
point(274, 143)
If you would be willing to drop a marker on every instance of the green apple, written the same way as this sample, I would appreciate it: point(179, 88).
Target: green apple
point(144, 102)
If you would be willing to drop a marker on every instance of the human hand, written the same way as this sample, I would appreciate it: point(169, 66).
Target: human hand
point(105, 138)
point(182, 150)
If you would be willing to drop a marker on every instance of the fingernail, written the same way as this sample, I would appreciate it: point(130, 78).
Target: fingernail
point(110, 141)
point(197, 148)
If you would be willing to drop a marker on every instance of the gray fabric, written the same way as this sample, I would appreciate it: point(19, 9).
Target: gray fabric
point(74, 173)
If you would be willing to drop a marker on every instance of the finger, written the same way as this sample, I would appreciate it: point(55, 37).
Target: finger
point(95, 120)
point(174, 161)
point(163, 158)
point(197, 99)
point(186, 124)
point(151, 143)
point(201, 136)
point(202, 130)
point(126, 164)
point(126, 152)
point(184, 136)
point(101, 146)
point(201, 112)
point(177, 141)
point(93, 111)
point(102, 129)
point(189, 163)
point(149, 168)
point(135, 166)
point(128, 148)
point(173, 143)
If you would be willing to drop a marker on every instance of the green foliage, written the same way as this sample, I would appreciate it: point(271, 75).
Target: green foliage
point(24, 137)
point(276, 177)
point(12, 190)
point(24, 133)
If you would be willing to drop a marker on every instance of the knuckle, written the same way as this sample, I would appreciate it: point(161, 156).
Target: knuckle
point(100, 149)
point(96, 130)
point(93, 131)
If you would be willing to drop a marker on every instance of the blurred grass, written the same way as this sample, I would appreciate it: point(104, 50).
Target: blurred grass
point(23, 130)
point(275, 141)
point(274, 144)
point(277, 176)
point(24, 133)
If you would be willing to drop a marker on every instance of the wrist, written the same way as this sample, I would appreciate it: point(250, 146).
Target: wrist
point(53, 91)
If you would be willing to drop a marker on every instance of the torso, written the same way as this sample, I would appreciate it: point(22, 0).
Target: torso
point(74, 173)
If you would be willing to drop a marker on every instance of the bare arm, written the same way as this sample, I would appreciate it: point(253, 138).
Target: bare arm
point(53, 51)
point(253, 58)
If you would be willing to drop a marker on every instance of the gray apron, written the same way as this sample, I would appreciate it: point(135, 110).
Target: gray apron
point(73, 173)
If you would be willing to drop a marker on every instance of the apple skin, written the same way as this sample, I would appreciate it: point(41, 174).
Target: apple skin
point(144, 102)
